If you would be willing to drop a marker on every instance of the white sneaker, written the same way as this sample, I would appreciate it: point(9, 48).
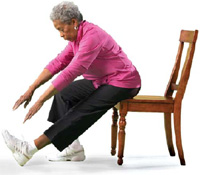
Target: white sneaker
point(19, 148)
point(68, 154)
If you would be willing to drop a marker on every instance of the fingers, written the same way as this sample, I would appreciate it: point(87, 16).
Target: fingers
point(33, 111)
point(21, 100)
point(28, 116)
point(17, 104)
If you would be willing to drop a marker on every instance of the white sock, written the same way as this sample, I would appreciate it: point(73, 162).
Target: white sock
point(75, 145)
point(32, 149)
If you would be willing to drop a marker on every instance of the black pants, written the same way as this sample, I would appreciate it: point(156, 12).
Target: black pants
point(79, 106)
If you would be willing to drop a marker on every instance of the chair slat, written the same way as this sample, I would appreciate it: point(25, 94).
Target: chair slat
point(175, 71)
point(187, 36)
point(174, 86)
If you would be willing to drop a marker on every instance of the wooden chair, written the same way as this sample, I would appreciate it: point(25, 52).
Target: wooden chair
point(166, 104)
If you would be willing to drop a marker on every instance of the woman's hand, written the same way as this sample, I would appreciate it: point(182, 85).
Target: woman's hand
point(51, 91)
point(33, 110)
point(43, 77)
point(24, 98)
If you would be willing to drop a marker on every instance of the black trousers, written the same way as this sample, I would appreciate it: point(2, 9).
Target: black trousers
point(79, 106)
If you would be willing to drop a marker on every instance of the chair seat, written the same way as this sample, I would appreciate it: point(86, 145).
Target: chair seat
point(149, 103)
point(151, 99)
point(148, 99)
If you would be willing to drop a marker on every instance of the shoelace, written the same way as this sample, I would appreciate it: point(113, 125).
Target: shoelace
point(21, 147)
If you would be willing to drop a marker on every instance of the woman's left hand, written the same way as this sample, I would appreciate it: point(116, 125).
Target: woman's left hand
point(33, 110)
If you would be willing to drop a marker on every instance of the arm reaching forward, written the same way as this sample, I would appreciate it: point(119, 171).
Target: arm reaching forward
point(43, 77)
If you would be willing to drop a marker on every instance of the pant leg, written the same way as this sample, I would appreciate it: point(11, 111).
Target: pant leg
point(85, 114)
point(69, 97)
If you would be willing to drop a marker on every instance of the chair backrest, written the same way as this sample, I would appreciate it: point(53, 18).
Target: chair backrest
point(189, 37)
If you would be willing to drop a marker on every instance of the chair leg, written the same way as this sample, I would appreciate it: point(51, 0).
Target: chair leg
point(177, 125)
point(168, 132)
point(114, 128)
point(121, 137)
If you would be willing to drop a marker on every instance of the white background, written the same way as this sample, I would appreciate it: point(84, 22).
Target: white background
point(148, 31)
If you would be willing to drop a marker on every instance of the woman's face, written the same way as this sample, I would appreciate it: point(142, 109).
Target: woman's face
point(67, 31)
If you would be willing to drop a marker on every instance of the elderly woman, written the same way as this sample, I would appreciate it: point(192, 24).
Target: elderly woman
point(109, 77)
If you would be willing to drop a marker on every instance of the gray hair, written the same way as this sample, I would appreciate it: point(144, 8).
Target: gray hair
point(65, 12)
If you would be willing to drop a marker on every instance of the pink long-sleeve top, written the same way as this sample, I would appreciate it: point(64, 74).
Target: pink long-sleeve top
point(96, 56)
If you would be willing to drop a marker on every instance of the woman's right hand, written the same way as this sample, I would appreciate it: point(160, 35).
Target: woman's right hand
point(24, 98)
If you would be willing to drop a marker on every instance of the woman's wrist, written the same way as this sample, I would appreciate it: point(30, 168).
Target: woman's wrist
point(51, 91)
point(42, 99)
point(32, 88)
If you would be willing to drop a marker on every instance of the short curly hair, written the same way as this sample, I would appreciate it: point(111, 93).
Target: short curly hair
point(65, 12)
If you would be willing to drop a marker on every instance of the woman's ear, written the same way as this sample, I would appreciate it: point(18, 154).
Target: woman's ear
point(74, 22)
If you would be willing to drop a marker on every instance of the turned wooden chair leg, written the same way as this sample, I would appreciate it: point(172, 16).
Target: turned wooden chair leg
point(114, 128)
point(121, 137)
point(168, 132)
point(177, 125)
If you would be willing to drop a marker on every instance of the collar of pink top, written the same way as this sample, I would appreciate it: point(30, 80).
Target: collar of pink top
point(80, 31)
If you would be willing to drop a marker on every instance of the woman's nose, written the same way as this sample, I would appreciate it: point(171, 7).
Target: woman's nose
point(61, 34)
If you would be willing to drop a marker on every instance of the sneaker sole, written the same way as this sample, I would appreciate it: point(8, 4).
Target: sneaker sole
point(21, 158)
point(68, 158)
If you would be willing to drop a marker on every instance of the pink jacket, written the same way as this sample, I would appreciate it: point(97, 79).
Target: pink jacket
point(97, 57)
